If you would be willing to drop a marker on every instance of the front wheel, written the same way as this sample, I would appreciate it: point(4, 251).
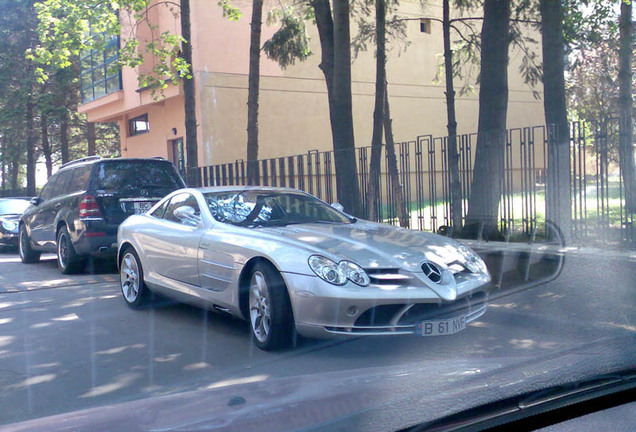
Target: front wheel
point(68, 261)
point(131, 276)
point(27, 254)
point(270, 312)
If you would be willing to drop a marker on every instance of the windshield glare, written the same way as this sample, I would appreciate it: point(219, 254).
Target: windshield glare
point(268, 208)
point(17, 206)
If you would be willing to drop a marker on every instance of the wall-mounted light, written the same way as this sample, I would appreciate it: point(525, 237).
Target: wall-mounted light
point(174, 131)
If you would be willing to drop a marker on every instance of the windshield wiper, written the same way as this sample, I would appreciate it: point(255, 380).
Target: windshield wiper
point(543, 407)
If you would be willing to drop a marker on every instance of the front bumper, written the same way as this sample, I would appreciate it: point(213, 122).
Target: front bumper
point(324, 310)
point(9, 239)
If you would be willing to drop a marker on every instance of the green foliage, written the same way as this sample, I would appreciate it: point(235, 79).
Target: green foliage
point(67, 28)
point(230, 12)
point(52, 94)
point(290, 42)
point(363, 13)
point(589, 22)
point(467, 44)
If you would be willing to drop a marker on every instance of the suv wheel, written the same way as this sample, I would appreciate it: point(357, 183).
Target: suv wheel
point(27, 254)
point(68, 261)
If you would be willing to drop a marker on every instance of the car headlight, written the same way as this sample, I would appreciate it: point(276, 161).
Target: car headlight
point(354, 273)
point(9, 225)
point(338, 273)
point(474, 263)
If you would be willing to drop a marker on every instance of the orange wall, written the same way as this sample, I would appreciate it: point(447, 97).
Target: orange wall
point(163, 117)
point(294, 116)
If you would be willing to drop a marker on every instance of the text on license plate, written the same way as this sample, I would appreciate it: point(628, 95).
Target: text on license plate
point(440, 327)
point(141, 207)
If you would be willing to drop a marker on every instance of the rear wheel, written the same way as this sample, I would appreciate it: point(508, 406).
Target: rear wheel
point(68, 261)
point(27, 254)
point(270, 312)
point(131, 276)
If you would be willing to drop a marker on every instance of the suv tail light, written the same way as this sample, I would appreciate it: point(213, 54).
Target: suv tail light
point(88, 207)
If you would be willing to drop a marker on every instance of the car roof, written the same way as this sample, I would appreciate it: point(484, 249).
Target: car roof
point(246, 188)
point(94, 160)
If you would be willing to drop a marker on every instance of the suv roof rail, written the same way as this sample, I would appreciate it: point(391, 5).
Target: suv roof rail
point(84, 159)
point(159, 157)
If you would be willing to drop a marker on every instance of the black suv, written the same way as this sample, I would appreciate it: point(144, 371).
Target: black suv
point(81, 206)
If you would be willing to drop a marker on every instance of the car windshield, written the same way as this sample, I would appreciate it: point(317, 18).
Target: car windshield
point(338, 215)
point(155, 177)
point(13, 206)
point(269, 208)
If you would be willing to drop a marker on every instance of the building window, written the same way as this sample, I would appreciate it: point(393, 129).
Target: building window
point(425, 25)
point(138, 125)
point(99, 71)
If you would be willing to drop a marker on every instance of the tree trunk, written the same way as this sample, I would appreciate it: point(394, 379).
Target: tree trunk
point(3, 172)
point(453, 155)
point(483, 204)
point(253, 92)
point(626, 127)
point(189, 101)
point(46, 146)
point(324, 22)
point(342, 129)
point(558, 202)
point(396, 185)
point(64, 136)
point(90, 138)
point(378, 112)
point(15, 167)
point(30, 148)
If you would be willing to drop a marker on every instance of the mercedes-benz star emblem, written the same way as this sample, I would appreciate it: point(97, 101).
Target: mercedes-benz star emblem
point(432, 271)
point(143, 192)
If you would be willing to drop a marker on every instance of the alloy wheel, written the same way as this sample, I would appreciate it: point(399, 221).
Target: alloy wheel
point(62, 250)
point(260, 315)
point(129, 276)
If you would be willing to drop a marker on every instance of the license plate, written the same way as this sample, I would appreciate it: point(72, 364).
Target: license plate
point(141, 207)
point(440, 327)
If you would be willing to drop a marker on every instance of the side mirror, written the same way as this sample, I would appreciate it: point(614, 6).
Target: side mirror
point(338, 206)
point(35, 201)
point(187, 215)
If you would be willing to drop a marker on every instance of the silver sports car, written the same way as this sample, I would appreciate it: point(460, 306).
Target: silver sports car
point(288, 262)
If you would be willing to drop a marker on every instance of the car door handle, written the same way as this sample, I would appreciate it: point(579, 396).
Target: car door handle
point(205, 245)
point(58, 205)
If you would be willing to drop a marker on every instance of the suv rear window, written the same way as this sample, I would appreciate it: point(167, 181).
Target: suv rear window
point(80, 178)
point(156, 178)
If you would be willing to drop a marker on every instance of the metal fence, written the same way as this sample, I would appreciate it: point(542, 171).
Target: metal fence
point(598, 202)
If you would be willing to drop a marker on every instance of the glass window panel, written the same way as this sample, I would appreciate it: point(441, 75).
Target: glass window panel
point(111, 52)
point(112, 70)
point(98, 74)
point(85, 63)
point(138, 125)
point(100, 89)
point(112, 85)
point(86, 83)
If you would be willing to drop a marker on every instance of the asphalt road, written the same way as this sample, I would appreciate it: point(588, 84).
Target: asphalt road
point(69, 342)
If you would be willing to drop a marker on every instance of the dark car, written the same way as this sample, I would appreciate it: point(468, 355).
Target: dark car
point(79, 209)
point(10, 211)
